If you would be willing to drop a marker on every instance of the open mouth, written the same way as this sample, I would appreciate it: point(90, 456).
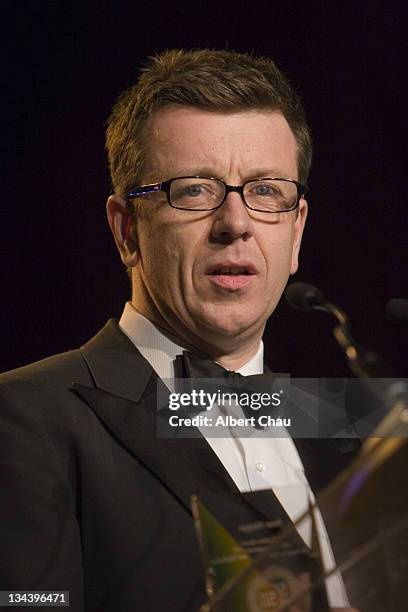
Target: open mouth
point(231, 276)
point(231, 271)
point(229, 268)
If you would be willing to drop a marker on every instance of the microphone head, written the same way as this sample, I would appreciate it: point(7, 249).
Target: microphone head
point(305, 297)
point(397, 308)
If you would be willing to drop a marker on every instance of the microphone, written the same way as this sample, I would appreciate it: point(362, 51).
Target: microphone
point(397, 309)
point(364, 364)
point(305, 297)
point(308, 297)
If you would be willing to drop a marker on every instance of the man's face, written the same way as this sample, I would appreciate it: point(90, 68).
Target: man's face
point(180, 250)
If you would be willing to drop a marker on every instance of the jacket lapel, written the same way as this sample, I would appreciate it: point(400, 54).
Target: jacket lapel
point(116, 366)
point(124, 399)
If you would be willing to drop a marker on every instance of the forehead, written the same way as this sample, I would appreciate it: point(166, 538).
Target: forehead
point(184, 140)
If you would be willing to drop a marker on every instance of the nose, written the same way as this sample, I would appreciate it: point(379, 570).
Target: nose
point(232, 220)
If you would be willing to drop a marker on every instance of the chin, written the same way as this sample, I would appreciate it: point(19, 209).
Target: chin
point(231, 322)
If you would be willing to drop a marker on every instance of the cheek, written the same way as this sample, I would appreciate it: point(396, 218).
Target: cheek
point(279, 254)
point(155, 249)
point(164, 256)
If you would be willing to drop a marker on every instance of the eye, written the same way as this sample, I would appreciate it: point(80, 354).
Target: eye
point(266, 189)
point(194, 190)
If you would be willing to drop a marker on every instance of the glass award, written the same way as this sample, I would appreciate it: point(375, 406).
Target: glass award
point(250, 568)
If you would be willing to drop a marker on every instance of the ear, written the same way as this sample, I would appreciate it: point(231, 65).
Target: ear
point(122, 223)
point(297, 234)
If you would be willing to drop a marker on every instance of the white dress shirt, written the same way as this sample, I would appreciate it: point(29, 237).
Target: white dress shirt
point(254, 463)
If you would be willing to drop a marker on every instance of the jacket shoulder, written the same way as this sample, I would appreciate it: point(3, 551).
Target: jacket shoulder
point(57, 368)
point(55, 375)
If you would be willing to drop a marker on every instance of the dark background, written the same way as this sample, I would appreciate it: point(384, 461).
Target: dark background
point(64, 64)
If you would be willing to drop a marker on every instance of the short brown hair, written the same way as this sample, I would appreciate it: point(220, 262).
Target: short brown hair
point(213, 80)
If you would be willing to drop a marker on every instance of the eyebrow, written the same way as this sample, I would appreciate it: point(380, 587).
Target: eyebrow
point(269, 172)
point(207, 171)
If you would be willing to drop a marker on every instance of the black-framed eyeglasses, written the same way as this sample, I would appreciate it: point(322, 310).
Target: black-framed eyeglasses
point(199, 193)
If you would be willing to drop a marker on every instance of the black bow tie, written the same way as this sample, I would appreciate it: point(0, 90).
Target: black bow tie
point(192, 366)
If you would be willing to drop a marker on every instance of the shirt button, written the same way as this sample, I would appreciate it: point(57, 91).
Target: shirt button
point(260, 467)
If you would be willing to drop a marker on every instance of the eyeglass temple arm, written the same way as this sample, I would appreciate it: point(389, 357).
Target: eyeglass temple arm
point(141, 191)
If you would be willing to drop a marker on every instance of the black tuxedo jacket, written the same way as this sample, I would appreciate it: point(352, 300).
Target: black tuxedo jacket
point(92, 502)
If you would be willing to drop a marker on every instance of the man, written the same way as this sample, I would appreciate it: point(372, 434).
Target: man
point(94, 502)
